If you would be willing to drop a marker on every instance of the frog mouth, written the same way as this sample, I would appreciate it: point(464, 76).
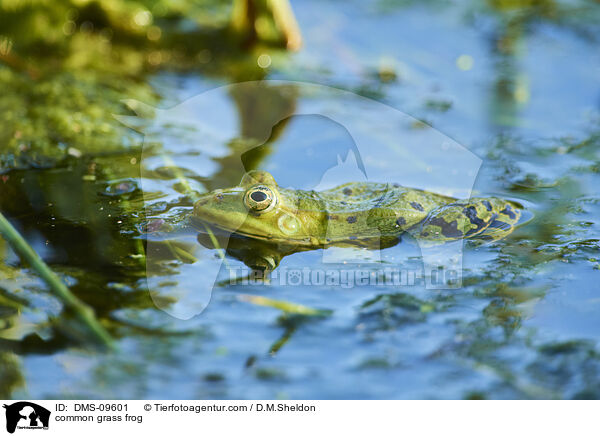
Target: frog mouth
point(202, 226)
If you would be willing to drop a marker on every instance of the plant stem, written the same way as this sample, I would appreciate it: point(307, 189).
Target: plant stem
point(81, 310)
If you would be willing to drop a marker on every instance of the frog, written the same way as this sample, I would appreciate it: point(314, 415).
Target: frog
point(352, 213)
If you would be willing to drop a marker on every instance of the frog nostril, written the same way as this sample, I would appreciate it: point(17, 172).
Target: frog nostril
point(219, 197)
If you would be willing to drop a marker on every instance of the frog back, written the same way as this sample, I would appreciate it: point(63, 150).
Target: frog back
point(362, 210)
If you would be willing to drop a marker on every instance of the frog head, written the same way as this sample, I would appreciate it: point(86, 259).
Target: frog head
point(256, 208)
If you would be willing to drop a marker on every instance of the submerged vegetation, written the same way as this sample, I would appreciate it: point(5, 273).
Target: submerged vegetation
point(67, 66)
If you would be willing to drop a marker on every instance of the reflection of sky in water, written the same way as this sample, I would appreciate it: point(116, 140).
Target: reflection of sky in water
point(385, 140)
point(561, 71)
point(300, 158)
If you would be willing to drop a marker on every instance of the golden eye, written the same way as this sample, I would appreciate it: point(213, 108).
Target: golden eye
point(260, 198)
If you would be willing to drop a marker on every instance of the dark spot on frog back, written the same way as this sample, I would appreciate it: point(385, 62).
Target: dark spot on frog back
point(508, 211)
point(471, 213)
point(417, 206)
point(347, 191)
point(351, 219)
point(449, 229)
point(401, 221)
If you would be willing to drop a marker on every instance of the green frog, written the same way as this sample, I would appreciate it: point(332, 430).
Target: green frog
point(353, 213)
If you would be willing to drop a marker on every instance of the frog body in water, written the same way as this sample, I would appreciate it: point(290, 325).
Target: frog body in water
point(350, 214)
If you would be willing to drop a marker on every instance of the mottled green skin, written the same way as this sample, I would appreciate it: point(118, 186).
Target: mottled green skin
point(355, 212)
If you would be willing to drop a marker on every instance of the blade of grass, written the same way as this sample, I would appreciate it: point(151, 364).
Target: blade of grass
point(279, 343)
point(82, 311)
point(180, 253)
point(293, 315)
point(216, 244)
point(285, 306)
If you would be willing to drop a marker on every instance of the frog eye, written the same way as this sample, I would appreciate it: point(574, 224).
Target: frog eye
point(260, 198)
